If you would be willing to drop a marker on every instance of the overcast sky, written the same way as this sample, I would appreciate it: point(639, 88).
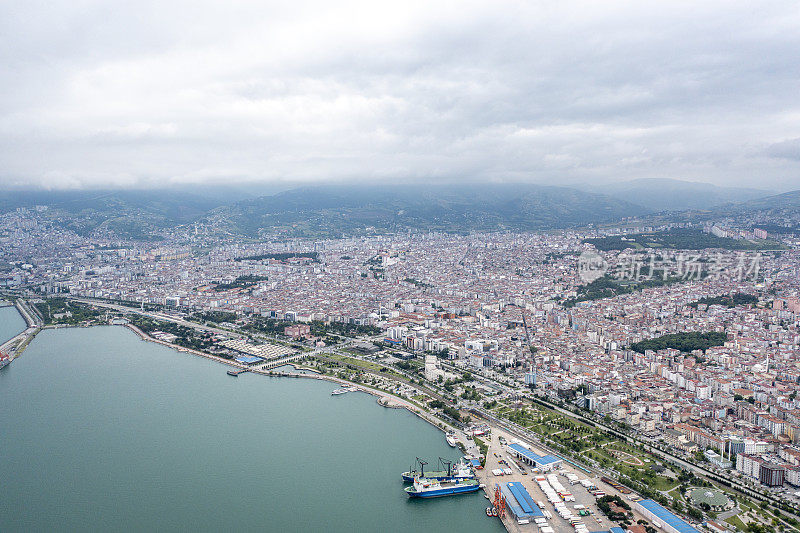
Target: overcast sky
point(149, 93)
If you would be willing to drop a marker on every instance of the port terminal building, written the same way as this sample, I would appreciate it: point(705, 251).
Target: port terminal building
point(615, 529)
point(662, 518)
point(520, 503)
point(545, 463)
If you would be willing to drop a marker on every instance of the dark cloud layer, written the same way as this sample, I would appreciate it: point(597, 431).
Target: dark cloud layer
point(95, 93)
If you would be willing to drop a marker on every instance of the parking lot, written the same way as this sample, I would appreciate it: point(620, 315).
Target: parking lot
point(498, 457)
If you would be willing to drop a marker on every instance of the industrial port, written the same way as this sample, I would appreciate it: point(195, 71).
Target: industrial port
point(530, 491)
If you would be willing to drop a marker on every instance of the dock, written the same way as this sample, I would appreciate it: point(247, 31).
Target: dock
point(14, 346)
point(235, 373)
point(521, 474)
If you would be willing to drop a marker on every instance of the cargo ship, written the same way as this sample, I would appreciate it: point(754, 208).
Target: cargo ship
point(449, 471)
point(430, 488)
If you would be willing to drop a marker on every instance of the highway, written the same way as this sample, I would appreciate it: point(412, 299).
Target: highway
point(156, 316)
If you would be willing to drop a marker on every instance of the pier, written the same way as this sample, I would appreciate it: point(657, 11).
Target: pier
point(279, 362)
point(14, 346)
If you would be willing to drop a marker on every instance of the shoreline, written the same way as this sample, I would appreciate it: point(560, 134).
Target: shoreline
point(384, 399)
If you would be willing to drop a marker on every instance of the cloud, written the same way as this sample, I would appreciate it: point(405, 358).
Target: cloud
point(789, 149)
point(151, 92)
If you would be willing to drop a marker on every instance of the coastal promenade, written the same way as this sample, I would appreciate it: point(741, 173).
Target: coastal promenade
point(383, 398)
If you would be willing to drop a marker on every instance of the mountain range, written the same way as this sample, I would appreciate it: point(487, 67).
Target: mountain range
point(661, 194)
point(351, 209)
point(334, 210)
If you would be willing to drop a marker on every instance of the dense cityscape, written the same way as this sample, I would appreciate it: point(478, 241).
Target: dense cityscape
point(687, 354)
point(462, 267)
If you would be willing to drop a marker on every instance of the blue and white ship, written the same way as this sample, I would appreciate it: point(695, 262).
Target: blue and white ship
point(430, 488)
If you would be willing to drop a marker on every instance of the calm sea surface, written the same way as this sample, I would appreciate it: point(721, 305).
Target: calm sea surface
point(102, 431)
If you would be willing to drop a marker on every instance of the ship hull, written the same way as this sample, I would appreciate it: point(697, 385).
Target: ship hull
point(448, 491)
point(408, 477)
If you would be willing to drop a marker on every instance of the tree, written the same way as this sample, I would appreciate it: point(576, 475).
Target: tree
point(694, 513)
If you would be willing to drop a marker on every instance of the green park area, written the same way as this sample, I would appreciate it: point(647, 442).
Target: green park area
point(66, 312)
point(686, 341)
point(680, 239)
point(590, 445)
point(357, 364)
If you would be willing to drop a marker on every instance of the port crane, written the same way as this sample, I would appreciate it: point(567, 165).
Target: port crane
point(499, 502)
point(422, 464)
point(449, 464)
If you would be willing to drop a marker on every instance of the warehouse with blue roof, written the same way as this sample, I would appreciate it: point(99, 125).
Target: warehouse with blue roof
point(542, 462)
point(520, 503)
point(666, 519)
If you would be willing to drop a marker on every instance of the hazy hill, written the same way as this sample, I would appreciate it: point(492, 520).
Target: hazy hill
point(127, 213)
point(788, 201)
point(327, 211)
point(676, 195)
point(351, 209)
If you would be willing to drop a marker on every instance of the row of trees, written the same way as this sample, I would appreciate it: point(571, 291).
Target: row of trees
point(732, 300)
point(678, 239)
point(279, 256)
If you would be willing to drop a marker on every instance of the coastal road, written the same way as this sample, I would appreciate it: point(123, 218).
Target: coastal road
point(13, 346)
point(28, 313)
point(156, 316)
point(426, 390)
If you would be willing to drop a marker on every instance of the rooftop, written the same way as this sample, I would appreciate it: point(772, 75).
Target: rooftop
point(667, 516)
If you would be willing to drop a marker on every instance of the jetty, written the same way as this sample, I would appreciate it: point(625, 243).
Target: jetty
point(279, 362)
point(14, 346)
